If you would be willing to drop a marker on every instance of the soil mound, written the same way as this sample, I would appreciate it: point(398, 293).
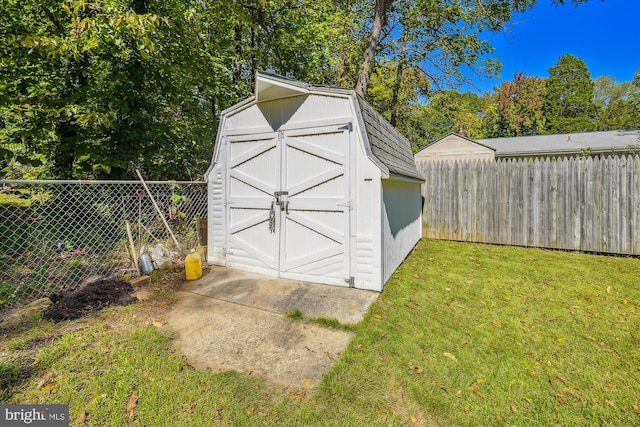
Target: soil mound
point(94, 296)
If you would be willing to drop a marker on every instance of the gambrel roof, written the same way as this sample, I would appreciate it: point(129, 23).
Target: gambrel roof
point(387, 144)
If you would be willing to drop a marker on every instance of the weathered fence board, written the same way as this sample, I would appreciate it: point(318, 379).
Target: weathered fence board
point(587, 204)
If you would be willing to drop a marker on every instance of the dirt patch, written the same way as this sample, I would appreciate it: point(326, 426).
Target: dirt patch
point(94, 296)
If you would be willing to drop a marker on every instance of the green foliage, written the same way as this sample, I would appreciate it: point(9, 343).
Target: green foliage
point(8, 295)
point(568, 100)
point(516, 108)
point(295, 314)
point(447, 112)
point(99, 85)
point(333, 324)
point(98, 89)
point(12, 374)
point(616, 104)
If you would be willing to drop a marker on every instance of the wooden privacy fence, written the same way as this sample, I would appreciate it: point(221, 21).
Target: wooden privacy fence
point(586, 204)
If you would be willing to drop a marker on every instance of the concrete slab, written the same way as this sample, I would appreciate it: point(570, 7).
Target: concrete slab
point(235, 320)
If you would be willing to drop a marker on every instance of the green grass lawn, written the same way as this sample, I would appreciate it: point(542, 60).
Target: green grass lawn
point(464, 334)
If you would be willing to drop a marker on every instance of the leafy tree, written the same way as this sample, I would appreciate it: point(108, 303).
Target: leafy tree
point(516, 108)
point(634, 94)
point(568, 101)
point(445, 33)
point(101, 88)
point(398, 98)
point(447, 111)
point(614, 103)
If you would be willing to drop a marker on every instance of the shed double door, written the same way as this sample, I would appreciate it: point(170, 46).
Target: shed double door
point(288, 204)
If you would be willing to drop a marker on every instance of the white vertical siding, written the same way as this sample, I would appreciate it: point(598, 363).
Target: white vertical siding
point(215, 221)
point(401, 221)
point(368, 253)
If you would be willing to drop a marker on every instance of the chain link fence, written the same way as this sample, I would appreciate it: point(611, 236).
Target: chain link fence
point(59, 234)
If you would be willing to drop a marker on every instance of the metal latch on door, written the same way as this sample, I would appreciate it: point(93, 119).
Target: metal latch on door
point(284, 204)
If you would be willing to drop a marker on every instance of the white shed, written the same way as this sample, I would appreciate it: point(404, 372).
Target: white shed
point(310, 183)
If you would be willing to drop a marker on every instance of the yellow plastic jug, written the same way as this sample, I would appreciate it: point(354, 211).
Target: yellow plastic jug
point(193, 266)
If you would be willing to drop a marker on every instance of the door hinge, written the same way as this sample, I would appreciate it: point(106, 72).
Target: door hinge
point(348, 126)
point(348, 204)
point(351, 281)
point(227, 203)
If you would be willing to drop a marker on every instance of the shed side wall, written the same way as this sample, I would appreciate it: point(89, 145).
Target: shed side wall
point(368, 274)
point(401, 222)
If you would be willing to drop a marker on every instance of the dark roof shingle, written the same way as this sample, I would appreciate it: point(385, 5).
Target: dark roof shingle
point(387, 144)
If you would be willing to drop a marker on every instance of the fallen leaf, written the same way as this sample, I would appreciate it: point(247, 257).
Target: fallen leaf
point(248, 410)
point(440, 385)
point(131, 405)
point(610, 385)
point(459, 394)
point(499, 418)
point(474, 388)
point(314, 402)
point(218, 414)
point(156, 324)
point(596, 400)
point(377, 316)
point(359, 347)
point(416, 276)
point(610, 402)
point(450, 356)
point(466, 408)
point(636, 409)
point(262, 413)
point(464, 342)
point(409, 305)
point(534, 374)
point(45, 379)
point(104, 348)
point(82, 418)
point(48, 386)
point(307, 383)
point(608, 289)
point(391, 409)
point(514, 409)
point(528, 403)
point(562, 378)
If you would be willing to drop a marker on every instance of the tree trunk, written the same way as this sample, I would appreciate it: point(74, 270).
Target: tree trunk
point(398, 83)
point(377, 24)
point(236, 67)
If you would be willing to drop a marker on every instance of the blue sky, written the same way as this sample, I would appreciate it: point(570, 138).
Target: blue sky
point(604, 34)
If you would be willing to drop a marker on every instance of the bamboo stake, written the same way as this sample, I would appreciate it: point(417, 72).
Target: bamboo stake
point(133, 249)
point(159, 212)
